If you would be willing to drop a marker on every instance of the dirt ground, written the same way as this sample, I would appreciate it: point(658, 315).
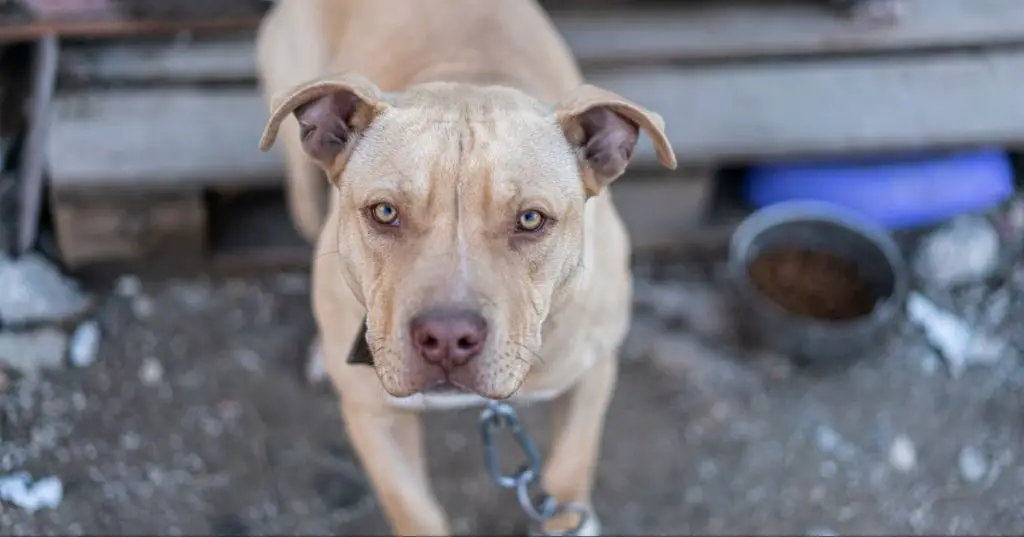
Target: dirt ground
point(195, 420)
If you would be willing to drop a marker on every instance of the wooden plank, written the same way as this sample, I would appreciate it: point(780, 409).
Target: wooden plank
point(686, 31)
point(801, 109)
point(691, 31)
point(33, 152)
point(104, 225)
point(714, 114)
point(29, 31)
point(159, 137)
point(121, 18)
point(152, 61)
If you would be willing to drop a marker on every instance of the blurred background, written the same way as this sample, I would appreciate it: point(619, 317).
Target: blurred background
point(847, 366)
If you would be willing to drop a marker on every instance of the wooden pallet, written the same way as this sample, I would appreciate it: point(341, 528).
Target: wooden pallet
point(736, 83)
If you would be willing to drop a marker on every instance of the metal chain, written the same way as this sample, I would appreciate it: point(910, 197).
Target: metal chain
point(538, 505)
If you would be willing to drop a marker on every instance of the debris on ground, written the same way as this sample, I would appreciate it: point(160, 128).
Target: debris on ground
point(85, 344)
point(960, 344)
point(697, 306)
point(964, 250)
point(19, 490)
point(972, 463)
point(315, 370)
point(32, 290)
point(128, 286)
point(903, 454)
point(152, 372)
point(31, 352)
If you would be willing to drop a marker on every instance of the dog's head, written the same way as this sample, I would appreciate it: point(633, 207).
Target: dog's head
point(461, 215)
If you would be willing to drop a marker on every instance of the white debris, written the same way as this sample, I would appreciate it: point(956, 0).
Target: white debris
point(151, 372)
point(903, 454)
point(827, 439)
point(316, 369)
point(18, 489)
point(33, 290)
point(128, 286)
point(965, 250)
point(972, 463)
point(700, 306)
point(31, 352)
point(143, 306)
point(959, 343)
point(85, 344)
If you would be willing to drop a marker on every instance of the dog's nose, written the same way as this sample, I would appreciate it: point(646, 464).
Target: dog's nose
point(448, 338)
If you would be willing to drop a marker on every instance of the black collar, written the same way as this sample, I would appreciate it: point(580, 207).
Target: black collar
point(361, 349)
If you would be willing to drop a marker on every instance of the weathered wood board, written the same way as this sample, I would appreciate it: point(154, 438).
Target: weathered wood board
point(33, 152)
point(730, 30)
point(806, 109)
point(677, 33)
point(214, 59)
point(109, 225)
point(714, 115)
point(160, 137)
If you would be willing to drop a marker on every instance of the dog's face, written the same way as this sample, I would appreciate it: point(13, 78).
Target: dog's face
point(461, 216)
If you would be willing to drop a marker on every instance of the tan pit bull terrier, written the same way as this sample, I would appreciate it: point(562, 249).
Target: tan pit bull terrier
point(469, 237)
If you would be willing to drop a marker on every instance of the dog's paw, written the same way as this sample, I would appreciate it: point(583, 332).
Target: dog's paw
point(316, 369)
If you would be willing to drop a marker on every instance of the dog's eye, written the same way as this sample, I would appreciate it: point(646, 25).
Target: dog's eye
point(385, 214)
point(531, 220)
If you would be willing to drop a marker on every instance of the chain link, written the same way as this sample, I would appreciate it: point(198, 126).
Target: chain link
point(538, 505)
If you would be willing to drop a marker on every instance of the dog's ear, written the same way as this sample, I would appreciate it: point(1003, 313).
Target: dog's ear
point(331, 113)
point(604, 128)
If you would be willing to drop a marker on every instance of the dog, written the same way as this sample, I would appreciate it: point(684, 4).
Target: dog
point(469, 242)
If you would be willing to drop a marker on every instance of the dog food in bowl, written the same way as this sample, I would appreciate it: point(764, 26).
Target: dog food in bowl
point(811, 283)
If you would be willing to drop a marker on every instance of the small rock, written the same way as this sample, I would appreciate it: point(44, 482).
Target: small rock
point(5, 381)
point(32, 290)
point(973, 465)
point(959, 343)
point(903, 454)
point(965, 250)
point(315, 370)
point(152, 372)
point(194, 295)
point(31, 352)
point(18, 489)
point(128, 286)
point(85, 344)
point(827, 439)
point(143, 307)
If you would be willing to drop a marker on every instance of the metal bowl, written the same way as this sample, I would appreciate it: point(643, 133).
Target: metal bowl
point(829, 228)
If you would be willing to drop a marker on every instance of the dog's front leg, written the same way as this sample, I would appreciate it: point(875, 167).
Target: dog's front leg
point(578, 424)
point(390, 445)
